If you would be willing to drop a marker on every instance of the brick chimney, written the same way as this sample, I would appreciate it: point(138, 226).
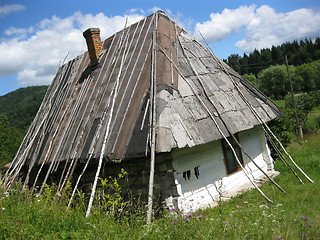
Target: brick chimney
point(94, 44)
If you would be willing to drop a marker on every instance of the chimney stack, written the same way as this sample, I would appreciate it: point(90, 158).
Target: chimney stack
point(94, 44)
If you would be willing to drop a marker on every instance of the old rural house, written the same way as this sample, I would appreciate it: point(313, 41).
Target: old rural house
point(150, 89)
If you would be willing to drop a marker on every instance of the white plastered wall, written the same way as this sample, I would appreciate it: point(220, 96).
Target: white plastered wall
point(213, 183)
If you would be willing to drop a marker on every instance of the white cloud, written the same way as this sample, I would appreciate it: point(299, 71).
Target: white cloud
point(34, 53)
point(271, 28)
point(37, 79)
point(136, 10)
point(178, 17)
point(263, 26)
point(154, 9)
point(7, 9)
point(223, 24)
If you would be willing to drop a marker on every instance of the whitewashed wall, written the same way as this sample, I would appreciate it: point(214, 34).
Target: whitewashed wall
point(213, 183)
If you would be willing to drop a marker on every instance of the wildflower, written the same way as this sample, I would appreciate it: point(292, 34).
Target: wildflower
point(225, 223)
point(308, 225)
point(303, 236)
point(304, 218)
point(201, 216)
point(187, 220)
point(63, 209)
point(230, 214)
point(274, 220)
point(190, 215)
point(276, 237)
point(172, 209)
point(174, 222)
point(3, 208)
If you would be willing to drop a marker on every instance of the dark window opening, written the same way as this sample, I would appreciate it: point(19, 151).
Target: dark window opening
point(230, 160)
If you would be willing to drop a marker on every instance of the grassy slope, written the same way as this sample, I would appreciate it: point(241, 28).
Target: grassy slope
point(247, 216)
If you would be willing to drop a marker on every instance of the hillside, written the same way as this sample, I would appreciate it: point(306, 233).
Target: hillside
point(21, 106)
point(17, 110)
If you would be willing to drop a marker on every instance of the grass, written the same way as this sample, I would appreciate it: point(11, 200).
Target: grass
point(295, 215)
point(280, 103)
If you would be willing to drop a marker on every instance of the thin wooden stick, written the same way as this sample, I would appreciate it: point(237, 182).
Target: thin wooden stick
point(137, 79)
point(43, 123)
point(87, 163)
point(260, 120)
point(218, 127)
point(71, 168)
point(281, 156)
point(65, 176)
point(220, 131)
point(106, 135)
point(83, 91)
point(153, 94)
point(234, 138)
point(251, 159)
point(145, 114)
point(94, 140)
point(78, 181)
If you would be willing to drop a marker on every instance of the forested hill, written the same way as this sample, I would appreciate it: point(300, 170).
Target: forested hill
point(21, 106)
point(17, 110)
point(298, 53)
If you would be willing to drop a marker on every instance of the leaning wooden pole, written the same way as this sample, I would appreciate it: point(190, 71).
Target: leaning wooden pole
point(218, 127)
point(114, 95)
point(298, 126)
point(220, 131)
point(153, 93)
point(259, 118)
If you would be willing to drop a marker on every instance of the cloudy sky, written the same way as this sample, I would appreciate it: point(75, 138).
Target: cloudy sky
point(36, 35)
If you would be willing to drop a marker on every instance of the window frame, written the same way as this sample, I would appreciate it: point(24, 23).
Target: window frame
point(227, 149)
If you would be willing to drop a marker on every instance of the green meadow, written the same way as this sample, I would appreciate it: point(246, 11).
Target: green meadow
point(295, 215)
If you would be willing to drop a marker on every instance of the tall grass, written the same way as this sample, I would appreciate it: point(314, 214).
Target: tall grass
point(295, 215)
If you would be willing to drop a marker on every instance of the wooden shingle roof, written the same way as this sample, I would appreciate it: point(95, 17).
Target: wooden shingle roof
point(83, 104)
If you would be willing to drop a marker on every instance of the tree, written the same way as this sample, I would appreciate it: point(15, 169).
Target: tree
point(316, 66)
point(244, 64)
point(254, 62)
point(266, 56)
point(10, 140)
point(251, 78)
point(273, 81)
point(21, 105)
point(276, 54)
point(308, 74)
point(304, 55)
point(233, 61)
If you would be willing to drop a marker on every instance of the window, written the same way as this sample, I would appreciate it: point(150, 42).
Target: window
point(230, 160)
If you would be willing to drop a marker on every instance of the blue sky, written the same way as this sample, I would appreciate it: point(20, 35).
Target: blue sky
point(36, 35)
